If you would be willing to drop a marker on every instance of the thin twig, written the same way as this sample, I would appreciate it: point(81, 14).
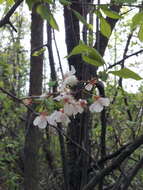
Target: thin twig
point(76, 144)
point(60, 63)
point(108, 4)
point(17, 100)
point(126, 57)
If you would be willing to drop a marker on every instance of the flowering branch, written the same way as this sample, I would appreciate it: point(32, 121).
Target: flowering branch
point(69, 106)
point(17, 100)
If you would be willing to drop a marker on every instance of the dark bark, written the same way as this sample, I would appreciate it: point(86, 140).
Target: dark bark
point(72, 33)
point(36, 62)
point(80, 127)
point(63, 158)
point(103, 41)
point(115, 164)
point(51, 56)
point(125, 181)
point(33, 136)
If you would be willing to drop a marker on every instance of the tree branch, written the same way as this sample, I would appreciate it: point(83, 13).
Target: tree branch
point(6, 19)
point(104, 40)
point(17, 100)
point(112, 155)
point(115, 164)
point(75, 143)
point(126, 57)
point(125, 180)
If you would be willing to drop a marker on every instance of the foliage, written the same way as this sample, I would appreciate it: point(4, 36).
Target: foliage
point(124, 116)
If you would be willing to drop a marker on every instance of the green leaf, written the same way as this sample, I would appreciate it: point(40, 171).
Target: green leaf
point(82, 19)
point(30, 3)
point(137, 20)
point(126, 73)
point(105, 27)
point(140, 34)
point(65, 3)
point(110, 13)
point(79, 16)
point(45, 13)
point(91, 61)
point(52, 83)
point(1, 1)
point(89, 55)
point(39, 52)
point(79, 49)
point(48, 1)
point(98, 13)
point(10, 2)
point(94, 57)
point(1, 84)
point(103, 75)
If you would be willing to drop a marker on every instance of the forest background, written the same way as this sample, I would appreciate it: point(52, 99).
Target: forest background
point(103, 41)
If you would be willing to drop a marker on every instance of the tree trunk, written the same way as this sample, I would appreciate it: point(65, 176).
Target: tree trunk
point(32, 139)
point(80, 127)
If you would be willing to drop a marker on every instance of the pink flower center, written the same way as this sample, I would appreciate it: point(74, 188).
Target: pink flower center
point(66, 100)
point(96, 98)
point(93, 81)
point(83, 103)
point(62, 110)
point(43, 114)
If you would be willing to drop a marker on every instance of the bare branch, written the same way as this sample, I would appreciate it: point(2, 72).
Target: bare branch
point(75, 143)
point(126, 57)
point(115, 164)
point(17, 99)
point(6, 19)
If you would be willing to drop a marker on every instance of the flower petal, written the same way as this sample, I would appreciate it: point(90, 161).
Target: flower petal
point(36, 121)
point(68, 109)
point(42, 124)
point(51, 119)
point(104, 101)
point(72, 71)
point(96, 107)
point(88, 87)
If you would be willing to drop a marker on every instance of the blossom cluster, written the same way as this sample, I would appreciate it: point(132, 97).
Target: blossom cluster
point(71, 106)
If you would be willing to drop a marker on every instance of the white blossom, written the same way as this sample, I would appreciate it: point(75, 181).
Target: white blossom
point(58, 117)
point(65, 97)
point(70, 105)
point(91, 84)
point(41, 121)
point(79, 106)
point(89, 87)
point(69, 78)
point(99, 104)
point(69, 109)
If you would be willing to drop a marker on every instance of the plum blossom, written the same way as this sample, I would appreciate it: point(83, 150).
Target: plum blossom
point(70, 105)
point(41, 120)
point(79, 106)
point(99, 104)
point(27, 101)
point(90, 85)
point(58, 117)
point(69, 78)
